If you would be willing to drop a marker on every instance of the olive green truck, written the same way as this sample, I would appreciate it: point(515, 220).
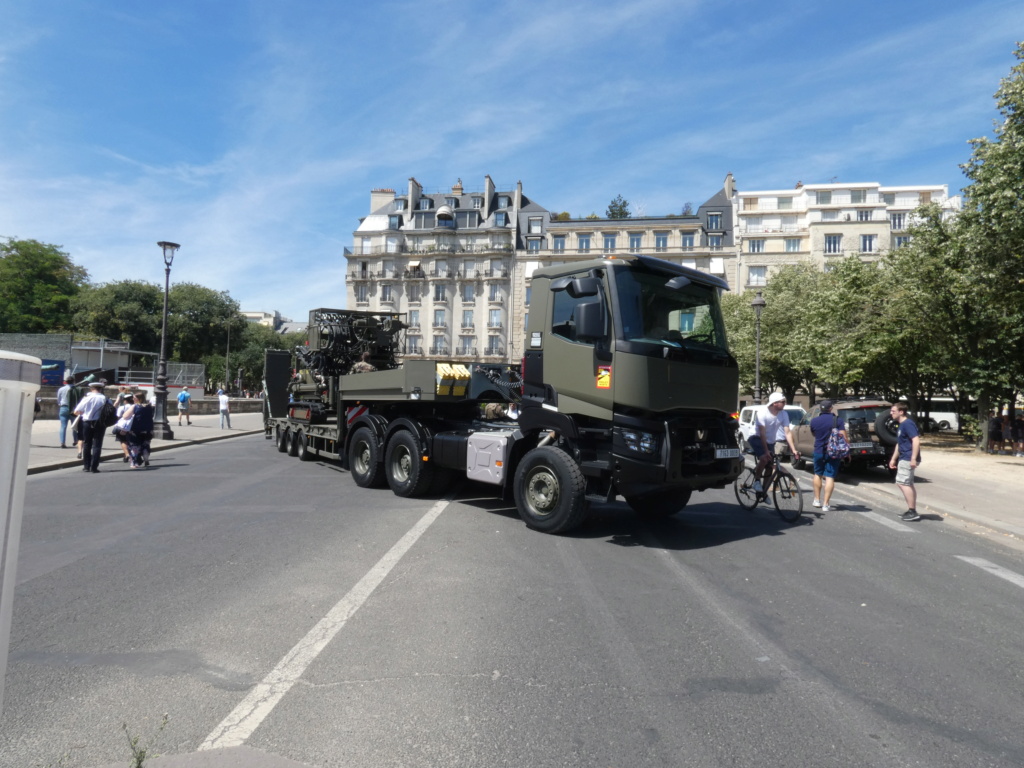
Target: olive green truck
point(626, 388)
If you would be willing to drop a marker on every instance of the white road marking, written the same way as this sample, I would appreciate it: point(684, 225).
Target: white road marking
point(896, 525)
point(995, 570)
point(237, 727)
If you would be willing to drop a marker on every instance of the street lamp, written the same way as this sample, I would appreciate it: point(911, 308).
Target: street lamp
point(758, 305)
point(161, 427)
point(227, 355)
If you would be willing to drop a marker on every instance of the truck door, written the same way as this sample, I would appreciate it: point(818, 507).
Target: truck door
point(579, 372)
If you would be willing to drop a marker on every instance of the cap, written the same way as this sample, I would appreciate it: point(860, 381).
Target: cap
point(184, 387)
point(97, 384)
point(129, 395)
point(826, 405)
point(774, 397)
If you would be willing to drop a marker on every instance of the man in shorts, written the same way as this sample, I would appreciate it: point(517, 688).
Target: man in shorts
point(825, 469)
point(905, 458)
point(184, 403)
point(769, 420)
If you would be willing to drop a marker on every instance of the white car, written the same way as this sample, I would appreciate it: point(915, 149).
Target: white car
point(795, 412)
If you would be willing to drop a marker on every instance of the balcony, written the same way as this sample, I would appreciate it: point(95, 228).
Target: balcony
point(496, 300)
point(466, 351)
point(494, 326)
point(497, 274)
point(467, 329)
point(363, 275)
point(439, 350)
point(494, 352)
point(415, 274)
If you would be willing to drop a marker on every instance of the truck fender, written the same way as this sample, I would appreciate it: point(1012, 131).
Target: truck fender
point(376, 424)
point(421, 432)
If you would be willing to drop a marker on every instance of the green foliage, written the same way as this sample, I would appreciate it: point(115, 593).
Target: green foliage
point(618, 208)
point(563, 216)
point(687, 209)
point(37, 283)
point(199, 320)
point(141, 753)
point(128, 310)
point(593, 216)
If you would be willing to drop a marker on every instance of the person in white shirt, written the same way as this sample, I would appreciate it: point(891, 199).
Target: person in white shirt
point(768, 422)
point(225, 409)
point(90, 408)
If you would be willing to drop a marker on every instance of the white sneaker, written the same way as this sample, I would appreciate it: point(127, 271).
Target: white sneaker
point(826, 508)
point(757, 486)
point(815, 503)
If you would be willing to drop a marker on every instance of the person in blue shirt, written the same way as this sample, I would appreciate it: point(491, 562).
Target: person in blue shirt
point(906, 456)
point(184, 403)
point(825, 469)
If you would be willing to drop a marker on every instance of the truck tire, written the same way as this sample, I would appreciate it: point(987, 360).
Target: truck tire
point(281, 438)
point(660, 504)
point(550, 490)
point(407, 473)
point(302, 447)
point(293, 442)
point(364, 459)
point(886, 427)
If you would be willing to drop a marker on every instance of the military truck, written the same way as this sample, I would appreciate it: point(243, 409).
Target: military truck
point(626, 388)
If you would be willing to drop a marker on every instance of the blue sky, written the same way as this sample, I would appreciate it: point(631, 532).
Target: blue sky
point(253, 132)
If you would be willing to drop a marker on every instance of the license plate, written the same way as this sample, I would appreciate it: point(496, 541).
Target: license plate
point(861, 446)
point(727, 453)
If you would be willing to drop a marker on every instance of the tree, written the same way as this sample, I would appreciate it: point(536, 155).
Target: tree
point(128, 310)
point(618, 208)
point(198, 321)
point(37, 283)
point(687, 209)
point(563, 216)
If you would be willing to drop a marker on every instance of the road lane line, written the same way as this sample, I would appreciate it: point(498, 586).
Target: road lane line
point(995, 570)
point(237, 727)
point(894, 524)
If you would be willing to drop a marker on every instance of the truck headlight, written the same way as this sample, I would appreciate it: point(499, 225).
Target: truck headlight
point(640, 442)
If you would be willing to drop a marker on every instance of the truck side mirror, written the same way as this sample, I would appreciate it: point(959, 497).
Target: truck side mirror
point(577, 287)
point(590, 322)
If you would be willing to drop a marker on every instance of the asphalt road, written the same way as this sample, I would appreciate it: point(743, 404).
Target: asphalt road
point(262, 601)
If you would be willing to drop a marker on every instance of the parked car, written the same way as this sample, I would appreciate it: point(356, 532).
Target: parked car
point(796, 415)
point(870, 427)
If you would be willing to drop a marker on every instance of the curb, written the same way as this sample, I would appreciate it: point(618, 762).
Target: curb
point(166, 445)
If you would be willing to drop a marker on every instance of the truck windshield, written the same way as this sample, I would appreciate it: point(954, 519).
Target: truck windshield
point(655, 313)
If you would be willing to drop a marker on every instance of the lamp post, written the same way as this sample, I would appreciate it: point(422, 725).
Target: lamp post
point(758, 305)
point(161, 427)
point(227, 355)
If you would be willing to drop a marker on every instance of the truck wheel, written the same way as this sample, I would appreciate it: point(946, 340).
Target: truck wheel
point(293, 442)
point(281, 438)
point(660, 504)
point(887, 429)
point(550, 490)
point(407, 473)
point(364, 459)
point(302, 447)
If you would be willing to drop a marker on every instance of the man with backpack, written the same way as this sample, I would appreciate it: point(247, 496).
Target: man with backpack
point(91, 408)
point(827, 453)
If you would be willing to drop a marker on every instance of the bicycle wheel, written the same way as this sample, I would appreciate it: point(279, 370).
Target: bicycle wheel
point(789, 502)
point(745, 493)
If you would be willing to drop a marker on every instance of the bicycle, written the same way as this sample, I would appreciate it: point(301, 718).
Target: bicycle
point(785, 490)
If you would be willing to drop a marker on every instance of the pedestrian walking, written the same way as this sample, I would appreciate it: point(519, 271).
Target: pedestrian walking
point(125, 413)
point(995, 432)
point(90, 408)
point(141, 433)
point(184, 406)
point(906, 457)
point(825, 469)
point(67, 398)
point(225, 408)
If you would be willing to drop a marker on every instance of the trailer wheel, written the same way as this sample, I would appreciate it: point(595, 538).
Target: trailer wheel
point(550, 490)
point(364, 459)
point(407, 473)
point(302, 447)
point(660, 504)
point(281, 438)
point(293, 442)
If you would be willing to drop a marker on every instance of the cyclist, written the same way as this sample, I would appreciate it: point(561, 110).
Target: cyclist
point(768, 421)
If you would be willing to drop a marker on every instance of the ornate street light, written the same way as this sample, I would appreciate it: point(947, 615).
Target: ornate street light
point(161, 427)
point(758, 305)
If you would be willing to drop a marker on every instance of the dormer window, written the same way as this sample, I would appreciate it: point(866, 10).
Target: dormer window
point(478, 202)
point(504, 201)
point(399, 203)
point(501, 219)
point(425, 203)
point(451, 202)
point(394, 221)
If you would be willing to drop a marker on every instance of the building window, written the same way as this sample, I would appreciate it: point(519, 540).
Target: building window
point(467, 318)
point(468, 293)
point(466, 345)
point(441, 267)
point(399, 204)
point(750, 203)
point(924, 198)
point(635, 241)
point(364, 245)
point(714, 221)
point(661, 242)
point(494, 292)
point(536, 226)
point(362, 293)
point(494, 318)
point(526, 300)
point(757, 275)
point(792, 244)
point(863, 215)
point(898, 220)
point(889, 198)
point(504, 201)
point(533, 246)
point(440, 345)
point(867, 243)
point(583, 243)
point(526, 320)
point(755, 246)
point(440, 292)
point(714, 241)
point(415, 345)
point(385, 293)
point(394, 221)
point(558, 244)
point(439, 318)
point(833, 244)
point(424, 221)
point(501, 219)
point(901, 240)
point(823, 198)
point(609, 243)
point(424, 203)
point(414, 318)
point(467, 219)
point(414, 292)
point(858, 196)
point(830, 215)
point(478, 202)
point(687, 241)
point(785, 203)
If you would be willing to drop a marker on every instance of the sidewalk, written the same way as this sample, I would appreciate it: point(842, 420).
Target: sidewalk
point(45, 452)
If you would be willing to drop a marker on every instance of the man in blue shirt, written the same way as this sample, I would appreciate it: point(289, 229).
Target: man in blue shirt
point(184, 406)
point(825, 469)
point(905, 458)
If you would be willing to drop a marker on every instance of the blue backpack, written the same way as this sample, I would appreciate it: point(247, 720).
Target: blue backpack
point(836, 447)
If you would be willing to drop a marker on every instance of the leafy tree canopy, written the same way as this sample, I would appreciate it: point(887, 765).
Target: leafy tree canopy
point(618, 208)
point(37, 283)
point(128, 310)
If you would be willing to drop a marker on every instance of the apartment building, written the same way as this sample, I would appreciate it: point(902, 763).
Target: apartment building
point(822, 223)
point(459, 263)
